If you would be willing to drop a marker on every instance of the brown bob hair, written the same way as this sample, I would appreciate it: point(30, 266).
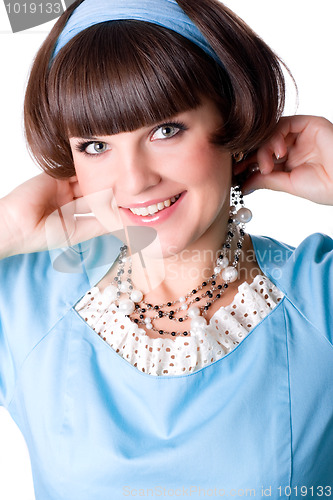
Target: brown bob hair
point(118, 76)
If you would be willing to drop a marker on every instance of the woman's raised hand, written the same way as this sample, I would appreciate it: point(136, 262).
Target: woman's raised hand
point(39, 215)
point(298, 159)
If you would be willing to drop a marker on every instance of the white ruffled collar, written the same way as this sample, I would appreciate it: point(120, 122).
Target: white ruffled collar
point(180, 355)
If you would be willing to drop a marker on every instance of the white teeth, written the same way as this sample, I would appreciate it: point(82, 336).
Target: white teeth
point(152, 209)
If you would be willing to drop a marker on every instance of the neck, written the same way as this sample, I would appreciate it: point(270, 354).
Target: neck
point(163, 280)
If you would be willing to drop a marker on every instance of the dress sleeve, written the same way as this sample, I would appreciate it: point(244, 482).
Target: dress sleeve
point(27, 310)
point(307, 280)
point(36, 291)
point(9, 270)
point(7, 372)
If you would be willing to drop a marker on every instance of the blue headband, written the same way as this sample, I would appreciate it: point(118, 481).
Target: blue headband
point(165, 13)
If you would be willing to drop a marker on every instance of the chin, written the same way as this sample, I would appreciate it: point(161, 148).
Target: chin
point(160, 249)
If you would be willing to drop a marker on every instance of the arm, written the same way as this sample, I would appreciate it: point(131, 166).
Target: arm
point(38, 215)
point(9, 241)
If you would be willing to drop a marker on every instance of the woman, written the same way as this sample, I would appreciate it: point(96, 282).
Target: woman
point(106, 113)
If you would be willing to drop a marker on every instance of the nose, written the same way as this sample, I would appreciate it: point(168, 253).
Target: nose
point(137, 170)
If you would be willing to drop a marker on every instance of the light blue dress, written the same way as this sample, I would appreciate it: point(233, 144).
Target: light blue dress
point(258, 422)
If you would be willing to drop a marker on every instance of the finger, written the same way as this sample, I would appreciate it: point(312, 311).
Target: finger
point(77, 193)
point(271, 153)
point(285, 136)
point(81, 206)
point(69, 186)
point(243, 176)
point(246, 164)
point(293, 124)
point(104, 206)
point(73, 179)
point(86, 228)
point(77, 206)
point(275, 181)
point(61, 224)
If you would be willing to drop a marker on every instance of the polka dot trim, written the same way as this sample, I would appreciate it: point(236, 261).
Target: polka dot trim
point(165, 356)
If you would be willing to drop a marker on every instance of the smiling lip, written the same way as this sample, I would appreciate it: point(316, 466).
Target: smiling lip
point(158, 216)
point(149, 203)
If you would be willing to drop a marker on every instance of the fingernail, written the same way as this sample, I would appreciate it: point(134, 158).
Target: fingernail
point(280, 159)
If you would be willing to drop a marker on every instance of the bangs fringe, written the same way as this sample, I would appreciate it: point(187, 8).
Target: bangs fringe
point(115, 80)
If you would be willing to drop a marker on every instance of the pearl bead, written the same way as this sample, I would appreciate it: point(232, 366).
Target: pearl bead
point(147, 320)
point(111, 292)
point(230, 274)
point(193, 312)
point(217, 270)
point(184, 307)
point(149, 326)
point(126, 306)
point(223, 262)
point(244, 215)
point(182, 299)
point(198, 331)
point(136, 296)
point(124, 287)
point(198, 322)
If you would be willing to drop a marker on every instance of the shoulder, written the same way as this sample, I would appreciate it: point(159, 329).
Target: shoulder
point(304, 274)
point(282, 263)
point(38, 289)
point(57, 271)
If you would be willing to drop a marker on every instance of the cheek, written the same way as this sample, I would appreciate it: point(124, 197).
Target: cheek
point(90, 177)
point(209, 164)
point(99, 196)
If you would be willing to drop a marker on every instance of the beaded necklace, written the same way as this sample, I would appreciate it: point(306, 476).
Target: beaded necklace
point(196, 303)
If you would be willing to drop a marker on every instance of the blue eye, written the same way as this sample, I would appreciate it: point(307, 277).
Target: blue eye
point(168, 130)
point(92, 148)
point(165, 132)
point(95, 148)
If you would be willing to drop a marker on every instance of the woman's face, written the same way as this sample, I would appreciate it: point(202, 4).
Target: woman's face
point(168, 176)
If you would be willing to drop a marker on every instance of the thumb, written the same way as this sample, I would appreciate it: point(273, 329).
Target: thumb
point(276, 181)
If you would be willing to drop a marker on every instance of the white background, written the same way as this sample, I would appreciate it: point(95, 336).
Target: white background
point(299, 31)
